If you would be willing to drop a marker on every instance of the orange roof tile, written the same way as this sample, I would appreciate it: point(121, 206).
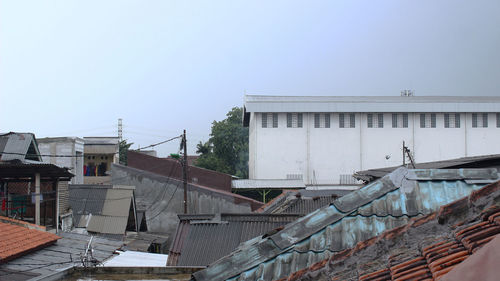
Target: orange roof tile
point(19, 238)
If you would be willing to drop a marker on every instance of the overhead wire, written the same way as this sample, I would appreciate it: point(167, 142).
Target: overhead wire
point(80, 156)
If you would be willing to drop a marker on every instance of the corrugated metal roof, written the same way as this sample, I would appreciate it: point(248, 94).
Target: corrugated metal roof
point(357, 216)
point(202, 239)
point(258, 103)
point(102, 209)
point(303, 202)
point(17, 145)
point(483, 161)
point(268, 184)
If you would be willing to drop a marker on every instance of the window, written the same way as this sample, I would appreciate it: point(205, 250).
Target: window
point(400, 120)
point(479, 120)
point(347, 120)
point(498, 120)
point(321, 120)
point(375, 120)
point(294, 120)
point(452, 120)
point(269, 119)
point(428, 120)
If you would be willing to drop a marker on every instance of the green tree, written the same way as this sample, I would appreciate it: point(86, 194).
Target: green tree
point(227, 149)
point(123, 149)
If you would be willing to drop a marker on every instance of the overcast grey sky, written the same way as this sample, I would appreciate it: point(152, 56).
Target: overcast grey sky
point(72, 68)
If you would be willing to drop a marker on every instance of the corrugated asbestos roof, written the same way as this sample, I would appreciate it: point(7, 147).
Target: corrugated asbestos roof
point(268, 184)
point(483, 161)
point(257, 103)
point(101, 209)
point(385, 204)
point(202, 239)
point(302, 202)
point(437, 246)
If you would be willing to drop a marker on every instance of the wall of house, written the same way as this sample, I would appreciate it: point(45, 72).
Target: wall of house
point(64, 146)
point(162, 198)
point(323, 155)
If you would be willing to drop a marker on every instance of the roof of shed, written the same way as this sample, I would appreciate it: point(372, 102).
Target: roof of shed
point(302, 202)
point(362, 214)
point(446, 244)
point(17, 145)
point(483, 161)
point(20, 238)
point(101, 208)
point(267, 184)
point(202, 239)
point(18, 169)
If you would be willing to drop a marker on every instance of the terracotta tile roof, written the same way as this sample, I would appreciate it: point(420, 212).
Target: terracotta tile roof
point(19, 238)
point(427, 248)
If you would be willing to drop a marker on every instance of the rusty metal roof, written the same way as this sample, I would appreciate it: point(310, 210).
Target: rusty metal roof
point(382, 205)
point(202, 239)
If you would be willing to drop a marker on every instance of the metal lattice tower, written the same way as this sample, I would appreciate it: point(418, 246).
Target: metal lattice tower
point(120, 135)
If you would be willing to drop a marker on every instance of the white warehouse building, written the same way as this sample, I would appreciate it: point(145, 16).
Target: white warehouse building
point(324, 140)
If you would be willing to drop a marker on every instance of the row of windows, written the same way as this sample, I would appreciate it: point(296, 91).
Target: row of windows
point(376, 120)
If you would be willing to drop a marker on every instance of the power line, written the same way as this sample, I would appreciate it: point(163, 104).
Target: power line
point(153, 145)
point(82, 155)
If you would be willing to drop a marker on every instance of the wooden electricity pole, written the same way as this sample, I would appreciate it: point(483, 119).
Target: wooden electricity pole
point(184, 171)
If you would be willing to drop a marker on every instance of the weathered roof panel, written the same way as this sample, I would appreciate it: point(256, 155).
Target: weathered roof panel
point(483, 161)
point(267, 184)
point(16, 145)
point(101, 208)
point(350, 219)
point(202, 239)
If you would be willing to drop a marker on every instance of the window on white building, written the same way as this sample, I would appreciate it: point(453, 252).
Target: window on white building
point(321, 120)
point(479, 120)
point(498, 120)
point(294, 120)
point(428, 120)
point(400, 120)
point(452, 120)
point(375, 120)
point(347, 120)
point(269, 120)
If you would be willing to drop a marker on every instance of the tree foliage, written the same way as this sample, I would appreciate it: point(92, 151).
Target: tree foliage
point(123, 148)
point(227, 149)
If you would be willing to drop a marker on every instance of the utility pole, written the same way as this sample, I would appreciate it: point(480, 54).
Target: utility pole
point(184, 171)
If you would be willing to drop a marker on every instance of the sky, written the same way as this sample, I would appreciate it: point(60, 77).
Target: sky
point(72, 68)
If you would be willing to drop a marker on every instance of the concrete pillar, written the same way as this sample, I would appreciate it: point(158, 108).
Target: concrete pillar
point(37, 198)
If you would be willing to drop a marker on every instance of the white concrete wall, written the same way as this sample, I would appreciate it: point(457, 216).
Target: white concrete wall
point(321, 155)
point(67, 147)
